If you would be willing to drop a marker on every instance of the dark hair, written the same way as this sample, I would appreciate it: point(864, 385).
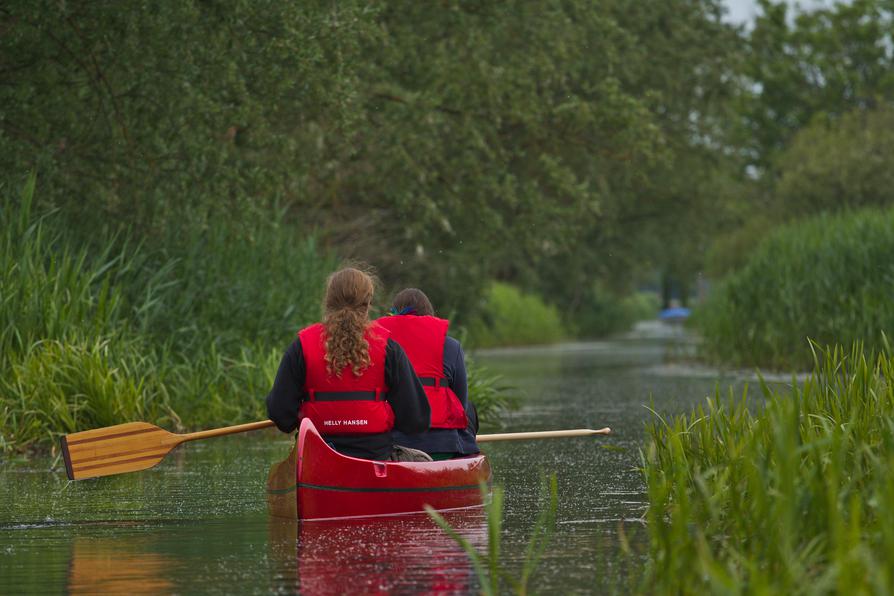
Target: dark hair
point(412, 299)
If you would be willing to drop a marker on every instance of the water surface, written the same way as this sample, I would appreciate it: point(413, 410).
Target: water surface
point(198, 522)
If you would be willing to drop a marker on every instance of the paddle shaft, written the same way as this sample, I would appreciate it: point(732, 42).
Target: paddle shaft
point(523, 436)
point(544, 434)
point(227, 430)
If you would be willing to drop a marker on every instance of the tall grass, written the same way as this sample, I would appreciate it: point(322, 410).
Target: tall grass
point(186, 330)
point(492, 395)
point(489, 568)
point(793, 496)
point(48, 290)
point(830, 279)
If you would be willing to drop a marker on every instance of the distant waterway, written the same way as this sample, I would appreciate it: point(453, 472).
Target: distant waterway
point(198, 522)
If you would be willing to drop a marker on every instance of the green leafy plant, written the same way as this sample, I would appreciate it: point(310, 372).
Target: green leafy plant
point(791, 494)
point(488, 566)
point(512, 317)
point(490, 393)
point(829, 279)
point(189, 334)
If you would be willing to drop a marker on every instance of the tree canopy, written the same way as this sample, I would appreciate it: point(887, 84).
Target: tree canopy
point(563, 145)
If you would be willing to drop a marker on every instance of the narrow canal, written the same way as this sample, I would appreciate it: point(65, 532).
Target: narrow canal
point(198, 522)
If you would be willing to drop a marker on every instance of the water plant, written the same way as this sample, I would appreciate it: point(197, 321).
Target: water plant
point(185, 331)
point(829, 279)
point(793, 495)
point(492, 395)
point(100, 330)
point(489, 568)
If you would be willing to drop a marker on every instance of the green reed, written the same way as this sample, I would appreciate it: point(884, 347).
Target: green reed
point(185, 330)
point(830, 279)
point(488, 566)
point(492, 395)
point(792, 496)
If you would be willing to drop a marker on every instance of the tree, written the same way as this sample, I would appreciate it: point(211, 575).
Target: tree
point(152, 113)
point(832, 167)
point(822, 63)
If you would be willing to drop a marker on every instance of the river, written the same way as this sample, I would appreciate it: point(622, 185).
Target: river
point(198, 522)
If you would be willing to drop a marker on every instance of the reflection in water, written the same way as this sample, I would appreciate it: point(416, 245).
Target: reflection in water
point(118, 566)
point(201, 524)
point(389, 555)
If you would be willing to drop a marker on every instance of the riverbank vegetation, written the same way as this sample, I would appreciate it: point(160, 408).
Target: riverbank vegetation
point(791, 493)
point(829, 279)
point(614, 149)
point(817, 136)
point(187, 334)
point(785, 491)
point(510, 318)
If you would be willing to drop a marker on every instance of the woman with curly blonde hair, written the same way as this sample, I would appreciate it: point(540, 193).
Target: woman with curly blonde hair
point(350, 378)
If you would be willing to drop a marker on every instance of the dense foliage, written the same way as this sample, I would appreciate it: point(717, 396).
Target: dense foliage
point(813, 119)
point(812, 65)
point(189, 338)
point(828, 279)
point(793, 496)
point(547, 145)
point(91, 338)
point(509, 318)
point(846, 164)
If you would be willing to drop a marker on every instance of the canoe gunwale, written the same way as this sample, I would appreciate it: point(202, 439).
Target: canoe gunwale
point(330, 485)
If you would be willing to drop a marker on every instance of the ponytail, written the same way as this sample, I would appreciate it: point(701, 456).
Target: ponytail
point(349, 293)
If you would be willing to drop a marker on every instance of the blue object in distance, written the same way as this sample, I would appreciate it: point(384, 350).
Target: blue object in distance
point(677, 312)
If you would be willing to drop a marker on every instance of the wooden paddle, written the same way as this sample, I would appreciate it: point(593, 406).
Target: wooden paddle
point(130, 447)
point(139, 445)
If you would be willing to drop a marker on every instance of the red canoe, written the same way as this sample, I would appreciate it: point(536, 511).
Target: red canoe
point(324, 484)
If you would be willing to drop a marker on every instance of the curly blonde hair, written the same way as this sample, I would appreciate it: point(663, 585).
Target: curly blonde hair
point(349, 292)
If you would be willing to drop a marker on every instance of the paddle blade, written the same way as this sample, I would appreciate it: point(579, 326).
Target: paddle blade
point(115, 449)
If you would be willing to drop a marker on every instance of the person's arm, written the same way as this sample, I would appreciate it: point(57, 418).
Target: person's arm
point(412, 414)
point(288, 389)
point(455, 371)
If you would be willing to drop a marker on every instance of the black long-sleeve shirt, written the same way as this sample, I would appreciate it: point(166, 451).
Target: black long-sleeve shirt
point(448, 440)
point(412, 413)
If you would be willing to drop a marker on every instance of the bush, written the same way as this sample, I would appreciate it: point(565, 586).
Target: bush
point(830, 279)
point(848, 163)
point(610, 313)
point(510, 318)
point(492, 396)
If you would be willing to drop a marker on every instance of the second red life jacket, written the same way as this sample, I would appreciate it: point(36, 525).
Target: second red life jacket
point(422, 338)
point(345, 404)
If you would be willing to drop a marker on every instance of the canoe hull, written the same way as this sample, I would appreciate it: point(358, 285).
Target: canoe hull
point(329, 485)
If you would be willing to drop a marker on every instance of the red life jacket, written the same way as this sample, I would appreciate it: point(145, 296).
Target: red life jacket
point(345, 405)
point(422, 338)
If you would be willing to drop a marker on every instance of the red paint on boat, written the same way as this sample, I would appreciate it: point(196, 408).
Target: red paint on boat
point(332, 485)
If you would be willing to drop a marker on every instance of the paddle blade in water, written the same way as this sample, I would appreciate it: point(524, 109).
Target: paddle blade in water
point(116, 449)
